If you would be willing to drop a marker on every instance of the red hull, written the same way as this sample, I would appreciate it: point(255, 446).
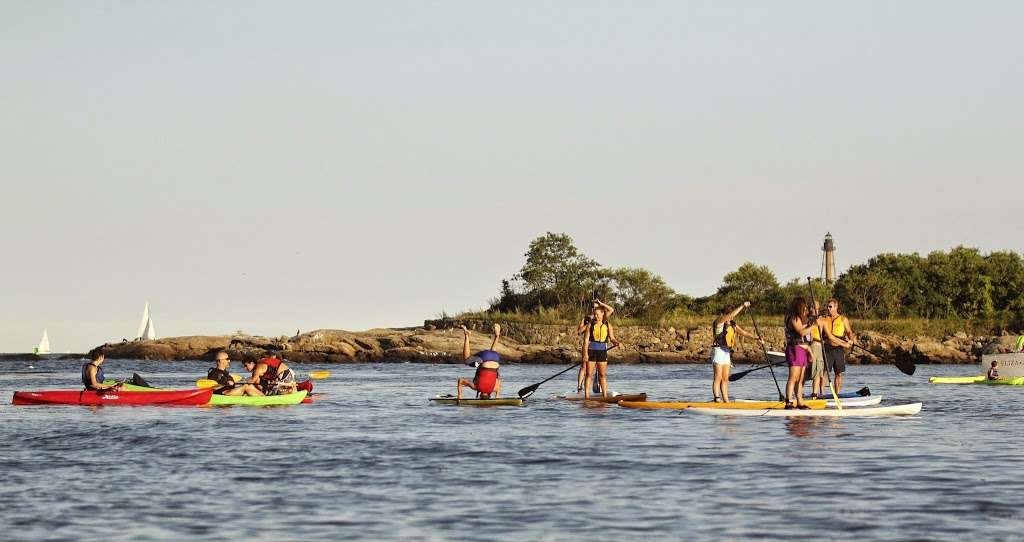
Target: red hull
point(84, 397)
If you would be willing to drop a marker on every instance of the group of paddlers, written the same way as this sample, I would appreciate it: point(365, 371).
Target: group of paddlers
point(814, 340)
point(269, 375)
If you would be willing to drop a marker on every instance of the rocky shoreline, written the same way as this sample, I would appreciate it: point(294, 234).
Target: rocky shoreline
point(440, 341)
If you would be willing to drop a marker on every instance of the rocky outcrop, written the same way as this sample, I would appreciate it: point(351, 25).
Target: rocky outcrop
point(441, 341)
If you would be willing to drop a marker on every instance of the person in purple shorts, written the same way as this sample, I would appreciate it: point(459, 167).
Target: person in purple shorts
point(799, 324)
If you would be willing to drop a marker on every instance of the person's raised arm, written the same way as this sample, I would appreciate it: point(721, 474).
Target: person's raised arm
point(497, 335)
point(732, 315)
point(793, 323)
point(608, 309)
point(748, 334)
point(465, 343)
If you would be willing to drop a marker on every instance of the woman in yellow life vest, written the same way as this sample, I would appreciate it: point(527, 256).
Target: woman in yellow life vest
point(838, 337)
point(725, 330)
point(595, 350)
point(582, 330)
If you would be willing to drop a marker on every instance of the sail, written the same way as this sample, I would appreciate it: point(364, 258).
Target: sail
point(44, 344)
point(149, 333)
point(143, 322)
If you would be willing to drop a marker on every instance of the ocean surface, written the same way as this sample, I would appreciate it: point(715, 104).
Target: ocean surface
point(371, 459)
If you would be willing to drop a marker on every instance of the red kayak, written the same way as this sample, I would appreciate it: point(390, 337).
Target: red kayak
point(199, 396)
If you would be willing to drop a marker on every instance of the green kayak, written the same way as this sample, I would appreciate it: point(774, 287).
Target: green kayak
point(241, 400)
point(1019, 381)
point(956, 379)
point(451, 400)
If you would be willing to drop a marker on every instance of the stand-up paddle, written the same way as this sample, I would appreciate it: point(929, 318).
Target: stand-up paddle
point(767, 360)
point(528, 390)
point(905, 366)
point(736, 376)
point(831, 388)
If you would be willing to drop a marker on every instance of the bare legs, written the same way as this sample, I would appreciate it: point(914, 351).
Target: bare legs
point(794, 385)
point(720, 385)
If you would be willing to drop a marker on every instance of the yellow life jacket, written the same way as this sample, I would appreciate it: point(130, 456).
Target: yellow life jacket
point(816, 333)
point(838, 327)
point(599, 333)
point(727, 337)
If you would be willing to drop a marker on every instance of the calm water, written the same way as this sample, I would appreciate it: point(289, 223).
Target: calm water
point(372, 460)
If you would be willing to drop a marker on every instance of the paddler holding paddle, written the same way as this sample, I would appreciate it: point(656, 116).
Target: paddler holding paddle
point(840, 337)
point(271, 375)
point(582, 330)
point(725, 330)
point(799, 324)
point(226, 383)
point(597, 335)
point(487, 379)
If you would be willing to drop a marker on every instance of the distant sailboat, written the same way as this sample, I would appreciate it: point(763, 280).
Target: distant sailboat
point(146, 330)
point(44, 345)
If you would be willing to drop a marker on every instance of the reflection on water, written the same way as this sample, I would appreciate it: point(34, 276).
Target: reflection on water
point(371, 459)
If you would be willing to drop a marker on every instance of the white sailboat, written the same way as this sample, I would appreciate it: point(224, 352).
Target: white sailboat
point(146, 330)
point(44, 345)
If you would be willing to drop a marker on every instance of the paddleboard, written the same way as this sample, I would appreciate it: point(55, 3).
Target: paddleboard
point(852, 402)
point(614, 398)
point(820, 403)
point(451, 400)
point(895, 410)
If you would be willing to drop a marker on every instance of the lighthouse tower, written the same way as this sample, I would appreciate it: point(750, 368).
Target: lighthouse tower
point(828, 260)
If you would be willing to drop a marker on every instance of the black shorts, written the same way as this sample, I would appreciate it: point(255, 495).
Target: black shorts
point(835, 359)
point(597, 355)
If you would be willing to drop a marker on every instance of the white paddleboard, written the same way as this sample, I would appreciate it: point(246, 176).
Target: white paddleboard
point(853, 402)
point(896, 410)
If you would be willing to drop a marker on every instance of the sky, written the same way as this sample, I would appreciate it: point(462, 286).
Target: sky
point(278, 166)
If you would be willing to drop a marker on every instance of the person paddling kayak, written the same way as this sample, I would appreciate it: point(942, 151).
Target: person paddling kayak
point(582, 331)
point(725, 329)
point(92, 374)
point(487, 379)
point(271, 375)
point(228, 386)
point(799, 325)
point(599, 332)
point(840, 337)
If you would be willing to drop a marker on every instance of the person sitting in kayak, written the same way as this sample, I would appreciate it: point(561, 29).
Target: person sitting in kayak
point(725, 330)
point(993, 371)
point(487, 379)
point(227, 384)
point(92, 374)
point(271, 375)
point(582, 330)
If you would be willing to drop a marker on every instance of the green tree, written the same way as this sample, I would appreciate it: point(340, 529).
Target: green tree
point(640, 293)
point(959, 282)
point(750, 282)
point(868, 293)
point(555, 271)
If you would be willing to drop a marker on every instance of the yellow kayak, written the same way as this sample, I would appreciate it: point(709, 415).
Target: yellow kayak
point(956, 379)
point(753, 405)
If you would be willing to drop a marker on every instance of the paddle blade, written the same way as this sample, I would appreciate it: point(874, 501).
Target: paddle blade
point(319, 375)
point(906, 366)
point(206, 383)
point(864, 392)
point(527, 391)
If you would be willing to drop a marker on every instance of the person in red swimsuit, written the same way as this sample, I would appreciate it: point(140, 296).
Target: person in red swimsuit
point(487, 380)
